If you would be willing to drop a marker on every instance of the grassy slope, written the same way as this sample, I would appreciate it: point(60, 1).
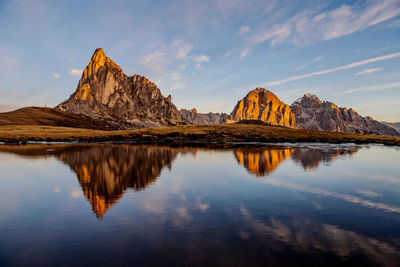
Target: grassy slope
point(49, 117)
point(189, 134)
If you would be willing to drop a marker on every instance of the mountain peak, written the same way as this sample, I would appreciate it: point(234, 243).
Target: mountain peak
point(312, 97)
point(105, 92)
point(98, 60)
point(261, 104)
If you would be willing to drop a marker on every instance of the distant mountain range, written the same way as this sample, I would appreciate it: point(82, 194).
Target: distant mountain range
point(394, 125)
point(106, 98)
point(204, 118)
point(312, 113)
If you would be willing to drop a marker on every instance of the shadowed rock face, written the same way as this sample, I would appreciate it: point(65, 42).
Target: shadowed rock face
point(203, 118)
point(104, 92)
point(261, 104)
point(311, 113)
point(394, 125)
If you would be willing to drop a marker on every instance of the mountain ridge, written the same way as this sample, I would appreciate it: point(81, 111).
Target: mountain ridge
point(313, 114)
point(203, 118)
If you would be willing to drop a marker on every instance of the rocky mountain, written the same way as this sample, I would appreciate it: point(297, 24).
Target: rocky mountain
point(261, 104)
point(203, 118)
point(394, 125)
point(312, 113)
point(105, 92)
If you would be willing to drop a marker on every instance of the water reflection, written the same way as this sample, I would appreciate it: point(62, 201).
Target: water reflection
point(315, 238)
point(106, 171)
point(202, 210)
point(311, 158)
point(262, 161)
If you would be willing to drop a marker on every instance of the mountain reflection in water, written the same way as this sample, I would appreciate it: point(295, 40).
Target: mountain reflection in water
point(261, 161)
point(272, 205)
point(106, 171)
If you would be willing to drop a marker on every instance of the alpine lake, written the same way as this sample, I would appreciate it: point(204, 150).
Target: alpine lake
point(140, 205)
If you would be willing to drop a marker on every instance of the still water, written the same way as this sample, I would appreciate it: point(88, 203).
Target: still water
point(145, 205)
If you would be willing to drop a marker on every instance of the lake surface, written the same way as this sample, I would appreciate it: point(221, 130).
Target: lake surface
point(112, 205)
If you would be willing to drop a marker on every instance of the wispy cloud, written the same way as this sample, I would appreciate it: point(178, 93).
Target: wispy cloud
point(372, 88)
point(311, 25)
point(56, 75)
point(244, 29)
point(325, 193)
point(344, 67)
point(300, 67)
point(75, 72)
point(317, 59)
point(201, 58)
point(368, 193)
point(177, 55)
point(368, 71)
point(244, 53)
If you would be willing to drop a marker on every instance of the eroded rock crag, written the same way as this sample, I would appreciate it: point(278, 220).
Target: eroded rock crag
point(261, 104)
point(314, 114)
point(104, 92)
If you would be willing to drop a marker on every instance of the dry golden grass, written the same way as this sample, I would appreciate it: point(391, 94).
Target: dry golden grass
point(49, 117)
point(188, 134)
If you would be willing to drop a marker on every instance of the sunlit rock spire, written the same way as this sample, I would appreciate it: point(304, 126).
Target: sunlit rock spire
point(104, 92)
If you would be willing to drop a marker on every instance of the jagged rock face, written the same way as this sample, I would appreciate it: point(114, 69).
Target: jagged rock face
point(104, 92)
point(203, 118)
point(394, 125)
point(261, 104)
point(312, 113)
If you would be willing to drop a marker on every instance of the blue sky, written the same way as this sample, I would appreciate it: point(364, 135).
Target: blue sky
point(208, 54)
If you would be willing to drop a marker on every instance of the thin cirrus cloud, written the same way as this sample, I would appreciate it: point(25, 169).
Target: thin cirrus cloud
point(244, 29)
point(310, 26)
point(75, 72)
point(201, 58)
point(372, 88)
point(300, 67)
point(344, 67)
point(345, 197)
point(317, 59)
point(368, 71)
point(167, 56)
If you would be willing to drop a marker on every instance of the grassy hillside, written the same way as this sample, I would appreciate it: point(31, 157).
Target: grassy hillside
point(48, 117)
point(189, 134)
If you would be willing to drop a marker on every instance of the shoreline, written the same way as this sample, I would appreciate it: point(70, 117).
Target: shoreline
point(196, 135)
